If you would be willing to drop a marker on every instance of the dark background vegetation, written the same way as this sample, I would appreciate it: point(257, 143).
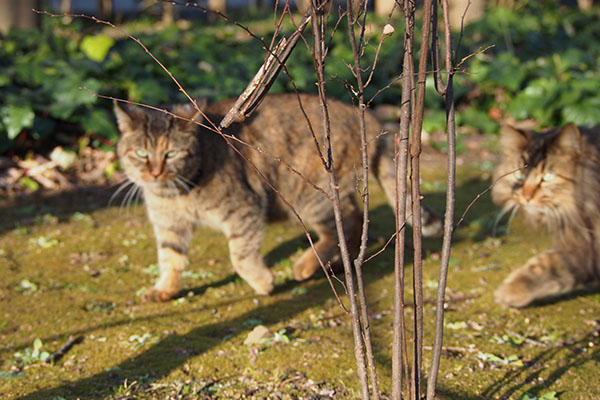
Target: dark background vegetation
point(543, 66)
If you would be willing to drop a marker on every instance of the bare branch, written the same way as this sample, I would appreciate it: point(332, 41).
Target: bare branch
point(415, 152)
point(399, 346)
point(446, 91)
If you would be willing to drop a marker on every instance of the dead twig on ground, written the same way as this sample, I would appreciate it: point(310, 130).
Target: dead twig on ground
point(57, 355)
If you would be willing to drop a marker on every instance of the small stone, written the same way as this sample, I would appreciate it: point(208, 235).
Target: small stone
point(257, 334)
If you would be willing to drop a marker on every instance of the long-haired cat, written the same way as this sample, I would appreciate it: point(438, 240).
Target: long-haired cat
point(190, 176)
point(555, 182)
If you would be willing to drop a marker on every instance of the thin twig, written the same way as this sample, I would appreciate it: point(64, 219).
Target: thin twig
point(480, 50)
point(57, 355)
point(454, 349)
point(472, 203)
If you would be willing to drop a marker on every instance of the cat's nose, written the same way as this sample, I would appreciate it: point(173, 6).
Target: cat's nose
point(528, 192)
point(156, 170)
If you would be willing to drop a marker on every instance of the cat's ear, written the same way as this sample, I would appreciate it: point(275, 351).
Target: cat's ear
point(127, 117)
point(190, 112)
point(514, 139)
point(569, 139)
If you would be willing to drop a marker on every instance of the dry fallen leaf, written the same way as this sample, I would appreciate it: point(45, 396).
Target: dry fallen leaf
point(257, 334)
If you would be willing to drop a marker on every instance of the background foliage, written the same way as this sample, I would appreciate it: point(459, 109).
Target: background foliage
point(543, 66)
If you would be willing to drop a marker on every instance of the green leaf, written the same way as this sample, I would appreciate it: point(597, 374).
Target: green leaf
point(148, 91)
point(70, 93)
point(97, 47)
point(479, 120)
point(15, 118)
point(29, 183)
point(100, 121)
point(585, 113)
point(4, 80)
point(545, 396)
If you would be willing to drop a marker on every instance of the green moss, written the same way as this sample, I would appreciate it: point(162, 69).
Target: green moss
point(87, 283)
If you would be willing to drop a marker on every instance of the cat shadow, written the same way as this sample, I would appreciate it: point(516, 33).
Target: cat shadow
point(564, 297)
point(197, 291)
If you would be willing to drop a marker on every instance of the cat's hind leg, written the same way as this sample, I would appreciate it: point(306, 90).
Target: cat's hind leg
point(327, 245)
point(547, 274)
point(245, 235)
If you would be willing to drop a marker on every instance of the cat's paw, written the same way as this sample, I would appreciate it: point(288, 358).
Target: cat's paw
point(155, 294)
point(513, 293)
point(263, 285)
point(304, 269)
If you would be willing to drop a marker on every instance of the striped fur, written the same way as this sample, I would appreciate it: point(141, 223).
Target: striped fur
point(558, 186)
point(190, 176)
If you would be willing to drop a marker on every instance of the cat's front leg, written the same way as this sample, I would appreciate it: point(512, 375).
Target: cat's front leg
point(173, 244)
point(547, 274)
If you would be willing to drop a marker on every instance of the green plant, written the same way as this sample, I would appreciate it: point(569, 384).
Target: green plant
point(30, 355)
point(136, 341)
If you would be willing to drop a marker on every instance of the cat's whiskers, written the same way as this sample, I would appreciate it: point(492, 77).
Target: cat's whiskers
point(172, 186)
point(512, 216)
point(186, 180)
point(571, 218)
point(121, 187)
point(181, 183)
point(505, 209)
point(182, 180)
point(552, 220)
point(128, 198)
point(119, 182)
point(562, 222)
point(132, 199)
point(139, 196)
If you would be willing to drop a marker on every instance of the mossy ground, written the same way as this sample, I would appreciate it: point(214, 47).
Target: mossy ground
point(71, 266)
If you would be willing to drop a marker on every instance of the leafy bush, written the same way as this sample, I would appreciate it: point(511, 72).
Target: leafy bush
point(543, 66)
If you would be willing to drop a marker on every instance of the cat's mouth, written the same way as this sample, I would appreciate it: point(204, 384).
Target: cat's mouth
point(175, 183)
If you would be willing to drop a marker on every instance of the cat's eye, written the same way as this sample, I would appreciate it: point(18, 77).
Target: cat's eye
point(548, 176)
point(171, 154)
point(141, 153)
point(519, 175)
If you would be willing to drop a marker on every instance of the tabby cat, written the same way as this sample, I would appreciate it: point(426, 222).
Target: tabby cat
point(558, 184)
point(190, 176)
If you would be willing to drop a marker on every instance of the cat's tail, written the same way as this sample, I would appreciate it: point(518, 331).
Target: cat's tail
point(384, 168)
